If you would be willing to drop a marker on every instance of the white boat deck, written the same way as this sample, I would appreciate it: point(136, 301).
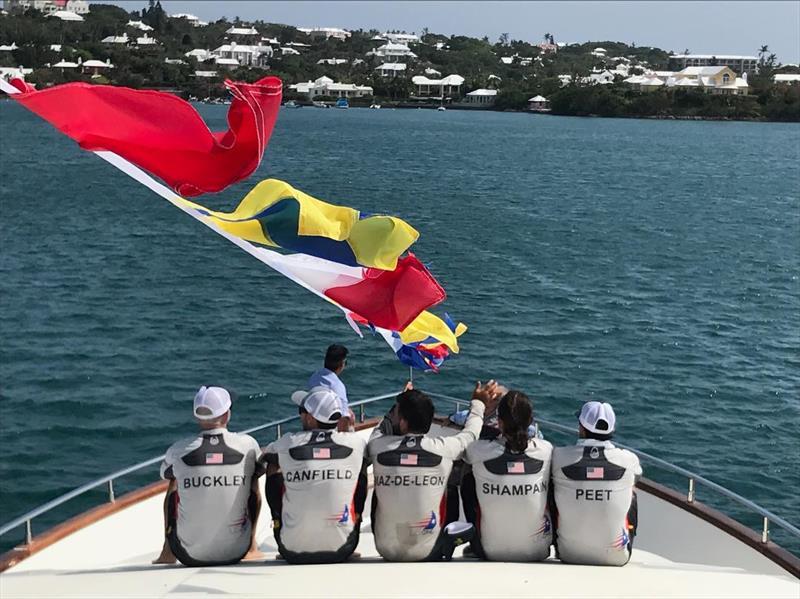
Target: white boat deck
point(676, 555)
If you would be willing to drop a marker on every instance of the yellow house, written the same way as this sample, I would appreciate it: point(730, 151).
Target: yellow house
point(713, 80)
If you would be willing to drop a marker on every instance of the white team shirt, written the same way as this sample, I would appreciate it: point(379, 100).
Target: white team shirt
point(320, 473)
point(593, 483)
point(512, 490)
point(213, 473)
point(410, 475)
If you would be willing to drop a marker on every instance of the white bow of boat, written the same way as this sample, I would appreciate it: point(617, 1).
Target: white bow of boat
point(683, 549)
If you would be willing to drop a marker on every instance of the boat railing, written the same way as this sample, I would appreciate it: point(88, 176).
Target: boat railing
point(693, 479)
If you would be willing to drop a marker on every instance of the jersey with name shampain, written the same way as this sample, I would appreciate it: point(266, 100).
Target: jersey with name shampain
point(410, 474)
point(320, 475)
point(593, 485)
point(213, 473)
point(511, 488)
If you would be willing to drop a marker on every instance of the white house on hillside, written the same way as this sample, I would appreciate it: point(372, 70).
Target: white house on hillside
point(481, 97)
point(241, 31)
point(391, 69)
point(438, 88)
point(139, 25)
point(115, 39)
point(786, 78)
point(392, 52)
point(401, 38)
point(193, 20)
point(79, 7)
point(325, 86)
point(325, 32)
point(243, 54)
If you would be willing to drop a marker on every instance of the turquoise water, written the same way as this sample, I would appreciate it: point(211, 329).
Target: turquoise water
point(652, 264)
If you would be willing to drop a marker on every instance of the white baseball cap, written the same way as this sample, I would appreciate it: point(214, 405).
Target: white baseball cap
point(321, 402)
point(211, 402)
point(597, 417)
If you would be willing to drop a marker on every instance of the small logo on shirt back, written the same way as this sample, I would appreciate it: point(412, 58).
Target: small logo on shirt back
point(214, 458)
point(622, 540)
point(595, 472)
point(408, 459)
point(515, 467)
point(342, 519)
point(322, 453)
point(428, 525)
point(546, 526)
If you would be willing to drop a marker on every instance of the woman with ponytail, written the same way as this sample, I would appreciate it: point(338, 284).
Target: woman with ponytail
point(505, 493)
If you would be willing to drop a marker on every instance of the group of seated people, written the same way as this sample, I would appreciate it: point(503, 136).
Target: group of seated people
point(520, 496)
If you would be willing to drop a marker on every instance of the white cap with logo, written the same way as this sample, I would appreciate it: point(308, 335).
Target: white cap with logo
point(211, 402)
point(321, 402)
point(597, 417)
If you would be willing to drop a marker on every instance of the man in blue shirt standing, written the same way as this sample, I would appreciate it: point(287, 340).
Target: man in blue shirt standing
point(328, 376)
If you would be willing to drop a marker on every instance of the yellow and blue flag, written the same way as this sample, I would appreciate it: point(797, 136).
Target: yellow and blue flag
point(275, 214)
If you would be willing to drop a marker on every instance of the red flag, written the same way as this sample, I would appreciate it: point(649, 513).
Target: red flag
point(162, 133)
point(391, 299)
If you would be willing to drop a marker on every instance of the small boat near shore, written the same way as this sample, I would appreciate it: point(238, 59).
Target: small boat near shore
point(342, 103)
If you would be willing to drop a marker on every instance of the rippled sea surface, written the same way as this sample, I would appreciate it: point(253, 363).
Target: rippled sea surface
point(651, 264)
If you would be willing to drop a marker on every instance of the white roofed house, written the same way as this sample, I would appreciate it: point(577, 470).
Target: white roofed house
point(391, 69)
point(599, 52)
point(241, 31)
point(481, 97)
point(146, 40)
point(391, 52)
point(193, 20)
point(713, 80)
point(401, 38)
point(325, 32)
point(288, 51)
point(332, 61)
point(96, 66)
point(438, 88)
point(243, 54)
point(325, 86)
point(786, 78)
point(139, 25)
point(116, 39)
point(199, 54)
point(538, 104)
point(9, 47)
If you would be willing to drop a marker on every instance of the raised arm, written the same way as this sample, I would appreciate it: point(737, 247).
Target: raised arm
point(484, 399)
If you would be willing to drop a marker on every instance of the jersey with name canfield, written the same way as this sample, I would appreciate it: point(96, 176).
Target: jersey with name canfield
point(213, 473)
point(410, 473)
point(593, 486)
point(320, 474)
point(512, 488)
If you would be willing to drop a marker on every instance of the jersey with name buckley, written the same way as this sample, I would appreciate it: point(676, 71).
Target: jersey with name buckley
point(511, 490)
point(213, 473)
point(593, 486)
point(410, 473)
point(324, 492)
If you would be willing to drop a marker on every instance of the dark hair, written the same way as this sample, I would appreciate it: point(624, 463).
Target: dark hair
point(417, 409)
point(590, 435)
point(516, 412)
point(335, 356)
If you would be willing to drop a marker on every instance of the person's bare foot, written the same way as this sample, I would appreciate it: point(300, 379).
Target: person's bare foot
point(165, 557)
point(254, 554)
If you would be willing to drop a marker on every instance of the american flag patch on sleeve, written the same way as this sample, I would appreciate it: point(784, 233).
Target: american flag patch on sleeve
point(214, 458)
point(322, 453)
point(408, 459)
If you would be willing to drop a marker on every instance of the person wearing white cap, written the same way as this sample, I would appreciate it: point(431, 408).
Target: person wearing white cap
point(593, 487)
point(212, 501)
point(316, 483)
